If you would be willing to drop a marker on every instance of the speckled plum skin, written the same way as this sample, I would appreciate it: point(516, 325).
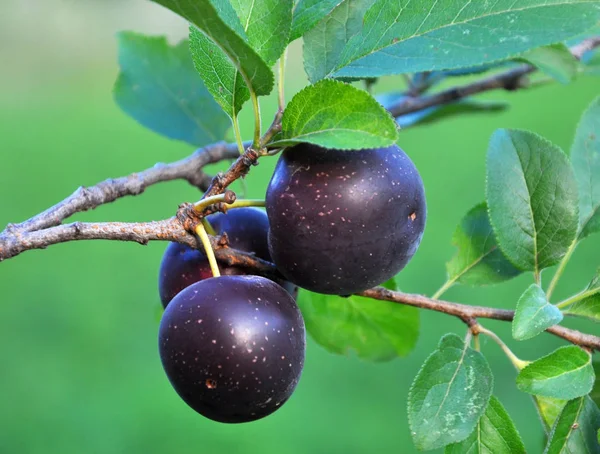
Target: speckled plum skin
point(233, 347)
point(181, 265)
point(344, 221)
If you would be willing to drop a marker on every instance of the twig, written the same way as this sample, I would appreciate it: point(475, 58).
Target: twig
point(510, 80)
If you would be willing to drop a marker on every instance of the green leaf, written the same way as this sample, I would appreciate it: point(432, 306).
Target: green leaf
point(549, 409)
point(566, 373)
point(479, 261)
point(449, 394)
point(218, 21)
point(575, 430)
point(532, 199)
point(590, 305)
point(376, 332)
point(333, 114)
point(534, 314)
point(159, 88)
point(585, 156)
point(595, 394)
point(426, 35)
point(323, 45)
point(495, 433)
point(592, 63)
point(555, 60)
point(307, 13)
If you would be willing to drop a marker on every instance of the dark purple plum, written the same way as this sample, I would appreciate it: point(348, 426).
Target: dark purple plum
point(233, 347)
point(181, 265)
point(344, 221)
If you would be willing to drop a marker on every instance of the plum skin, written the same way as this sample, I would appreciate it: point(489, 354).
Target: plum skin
point(233, 347)
point(344, 221)
point(181, 265)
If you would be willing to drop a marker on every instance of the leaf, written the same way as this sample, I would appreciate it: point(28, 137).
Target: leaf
point(595, 394)
point(575, 430)
point(435, 113)
point(534, 314)
point(479, 261)
point(159, 88)
point(218, 21)
point(555, 60)
point(495, 433)
point(405, 37)
point(376, 332)
point(333, 114)
point(449, 394)
point(323, 45)
point(585, 156)
point(566, 373)
point(592, 63)
point(549, 409)
point(532, 199)
point(307, 13)
point(590, 305)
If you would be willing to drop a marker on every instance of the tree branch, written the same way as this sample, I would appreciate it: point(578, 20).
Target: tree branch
point(510, 80)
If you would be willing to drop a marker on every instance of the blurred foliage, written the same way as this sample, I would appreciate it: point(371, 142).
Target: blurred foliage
point(80, 367)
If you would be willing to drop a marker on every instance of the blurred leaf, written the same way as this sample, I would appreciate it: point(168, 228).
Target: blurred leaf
point(307, 13)
point(595, 394)
point(425, 35)
point(532, 198)
point(534, 314)
point(575, 430)
point(495, 433)
point(323, 45)
point(217, 20)
point(585, 156)
point(479, 261)
point(566, 373)
point(549, 409)
point(333, 114)
point(449, 394)
point(435, 113)
point(555, 60)
point(159, 88)
point(592, 63)
point(589, 306)
point(376, 332)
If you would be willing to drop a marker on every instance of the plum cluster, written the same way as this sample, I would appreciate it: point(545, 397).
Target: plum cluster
point(336, 222)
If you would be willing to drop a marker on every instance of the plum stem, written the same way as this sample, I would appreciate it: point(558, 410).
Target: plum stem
point(247, 203)
point(208, 250)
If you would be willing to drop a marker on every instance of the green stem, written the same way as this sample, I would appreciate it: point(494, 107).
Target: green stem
point(238, 134)
point(575, 298)
point(209, 228)
point(449, 283)
point(476, 344)
point(247, 203)
point(518, 363)
point(537, 276)
point(282, 60)
point(208, 250)
point(561, 269)
point(200, 206)
point(257, 125)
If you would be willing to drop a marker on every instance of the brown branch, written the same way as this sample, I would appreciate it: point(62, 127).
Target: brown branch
point(513, 79)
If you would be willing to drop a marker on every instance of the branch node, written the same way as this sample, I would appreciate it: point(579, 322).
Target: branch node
point(188, 218)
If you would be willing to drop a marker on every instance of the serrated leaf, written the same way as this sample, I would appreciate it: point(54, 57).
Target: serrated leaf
point(595, 394)
point(532, 199)
point(555, 60)
point(590, 305)
point(400, 37)
point(566, 373)
point(323, 45)
point(218, 21)
point(585, 156)
point(575, 430)
point(333, 114)
point(159, 88)
point(376, 332)
point(435, 113)
point(549, 409)
point(307, 13)
point(495, 433)
point(449, 394)
point(479, 261)
point(534, 314)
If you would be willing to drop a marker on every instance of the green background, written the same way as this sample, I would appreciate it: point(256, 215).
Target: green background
point(79, 368)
